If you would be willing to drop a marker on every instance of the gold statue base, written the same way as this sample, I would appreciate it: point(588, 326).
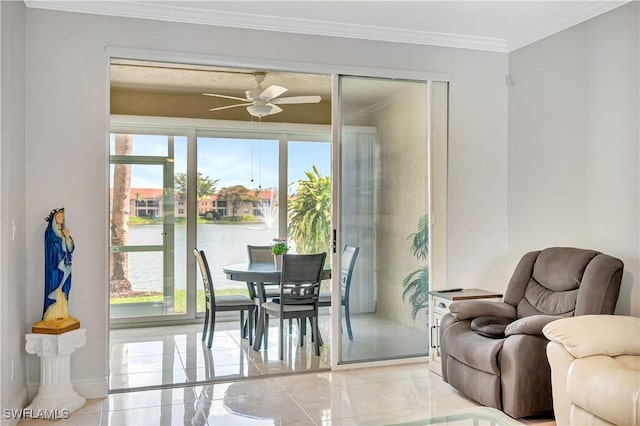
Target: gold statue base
point(58, 326)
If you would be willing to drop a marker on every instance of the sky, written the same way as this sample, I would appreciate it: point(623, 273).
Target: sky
point(252, 163)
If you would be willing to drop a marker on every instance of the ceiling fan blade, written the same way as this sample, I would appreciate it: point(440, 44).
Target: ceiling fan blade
point(297, 100)
point(274, 109)
point(229, 106)
point(226, 97)
point(271, 92)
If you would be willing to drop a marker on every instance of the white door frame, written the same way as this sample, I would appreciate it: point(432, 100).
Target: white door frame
point(303, 67)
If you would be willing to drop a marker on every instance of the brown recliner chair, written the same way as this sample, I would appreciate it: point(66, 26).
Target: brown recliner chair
point(495, 353)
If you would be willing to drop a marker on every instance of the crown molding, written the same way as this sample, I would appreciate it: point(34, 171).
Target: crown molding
point(577, 15)
point(207, 16)
point(183, 14)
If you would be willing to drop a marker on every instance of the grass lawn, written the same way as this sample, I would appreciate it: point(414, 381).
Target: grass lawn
point(180, 301)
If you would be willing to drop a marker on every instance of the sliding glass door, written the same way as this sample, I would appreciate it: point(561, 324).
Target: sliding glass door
point(215, 189)
point(385, 188)
point(379, 185)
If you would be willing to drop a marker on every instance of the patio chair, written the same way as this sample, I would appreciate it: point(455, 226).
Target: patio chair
point(259, 254)
point(262, 254)
point(222, 303)
point(349, 255)
point(298, 299)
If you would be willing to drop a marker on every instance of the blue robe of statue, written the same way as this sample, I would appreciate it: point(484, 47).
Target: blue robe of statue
point(57, 261)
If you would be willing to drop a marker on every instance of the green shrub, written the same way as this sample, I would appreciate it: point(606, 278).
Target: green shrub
point(416, 284)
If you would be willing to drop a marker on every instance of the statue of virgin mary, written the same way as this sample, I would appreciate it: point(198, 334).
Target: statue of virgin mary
point(58, 248)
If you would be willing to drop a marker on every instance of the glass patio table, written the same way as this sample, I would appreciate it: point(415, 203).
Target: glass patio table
point(257, 276)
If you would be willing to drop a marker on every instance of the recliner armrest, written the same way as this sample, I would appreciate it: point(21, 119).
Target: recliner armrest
point(469, 309)
point(531, 325)
point(588, 335)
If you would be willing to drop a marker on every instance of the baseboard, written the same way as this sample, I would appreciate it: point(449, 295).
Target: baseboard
point(96, 387)
point(20, 402)
point(91, 388)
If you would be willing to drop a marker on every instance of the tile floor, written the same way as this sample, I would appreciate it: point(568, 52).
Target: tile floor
point(234, 385)
point(352, 397)
point(151, 357)
point(155, 356)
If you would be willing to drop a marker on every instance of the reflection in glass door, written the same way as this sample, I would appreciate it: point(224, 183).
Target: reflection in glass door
point(384, 202)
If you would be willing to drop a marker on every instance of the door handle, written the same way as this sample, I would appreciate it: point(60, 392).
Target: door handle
point(334, 242)
point(432, 344)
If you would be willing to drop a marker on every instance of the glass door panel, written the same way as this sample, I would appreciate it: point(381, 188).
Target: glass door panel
point(144, 282)
point(309, 204)
point(309, 197)
point(383, 195)
point(239, 206)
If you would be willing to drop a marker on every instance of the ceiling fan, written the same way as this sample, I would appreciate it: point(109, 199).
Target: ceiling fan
point(261, 102)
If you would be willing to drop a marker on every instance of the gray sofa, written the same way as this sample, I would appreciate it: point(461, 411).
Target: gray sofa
point(495, 353)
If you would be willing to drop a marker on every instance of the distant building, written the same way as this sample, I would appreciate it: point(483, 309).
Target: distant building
point(147, 202)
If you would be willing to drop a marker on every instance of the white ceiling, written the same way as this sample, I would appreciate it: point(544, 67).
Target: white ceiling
point(500, 26)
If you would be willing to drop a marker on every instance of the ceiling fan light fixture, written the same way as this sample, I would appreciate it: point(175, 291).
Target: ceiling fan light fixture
point(261, 102)
point(259, 110)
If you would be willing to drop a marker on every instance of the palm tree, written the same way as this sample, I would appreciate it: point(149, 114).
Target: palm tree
point(310, 214)
point(119, 266)
point(138, 198)
point(416, 284)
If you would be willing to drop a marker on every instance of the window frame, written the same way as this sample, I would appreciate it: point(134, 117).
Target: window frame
point(193, 129)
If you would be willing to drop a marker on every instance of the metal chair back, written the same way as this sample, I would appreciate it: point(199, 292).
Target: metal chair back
point(260, 254)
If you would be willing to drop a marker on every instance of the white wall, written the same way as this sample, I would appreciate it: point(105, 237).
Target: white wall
point(477, 193)
point(66, 144)
point(13, 285)
point(574, 144)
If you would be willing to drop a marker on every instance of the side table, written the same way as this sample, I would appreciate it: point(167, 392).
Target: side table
point(56, 397)
point(438, 307)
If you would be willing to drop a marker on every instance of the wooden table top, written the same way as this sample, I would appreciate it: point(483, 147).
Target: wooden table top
point(465, 294)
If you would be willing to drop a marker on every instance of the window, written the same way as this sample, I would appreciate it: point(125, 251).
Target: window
point(257, 162)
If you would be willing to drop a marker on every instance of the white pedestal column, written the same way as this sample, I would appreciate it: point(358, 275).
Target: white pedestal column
point(56, 397)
